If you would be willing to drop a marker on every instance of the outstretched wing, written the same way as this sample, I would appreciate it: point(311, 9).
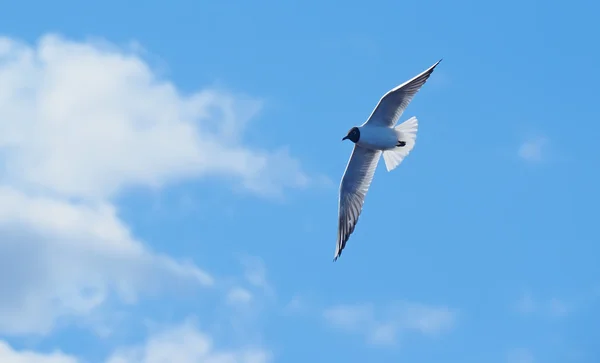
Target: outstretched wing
point(392, 104)
point(353, 189)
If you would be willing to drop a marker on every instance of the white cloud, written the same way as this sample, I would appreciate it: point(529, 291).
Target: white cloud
point(255, 274)
point(533, 150)
point(239, 296)
point(9, 355)
point(183, 343)
point(383, 325)
point(81, 122)
point(248, 299)
point(349, 317)
point(66, 259)
point(186, 344)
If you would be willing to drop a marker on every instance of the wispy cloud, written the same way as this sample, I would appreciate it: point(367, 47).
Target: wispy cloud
point(297, 304)
point(239, 296)
point(249, 297)
point(255, 274)
point(533, 150)
point(252, 287)
point(384, 325)
point(550, 307)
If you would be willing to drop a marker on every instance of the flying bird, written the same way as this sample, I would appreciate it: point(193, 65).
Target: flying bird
point(378, 135)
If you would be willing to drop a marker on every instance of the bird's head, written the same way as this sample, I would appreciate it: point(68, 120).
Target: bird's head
point(353, 135)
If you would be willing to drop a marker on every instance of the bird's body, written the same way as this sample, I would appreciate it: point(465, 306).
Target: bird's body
point(378, 135)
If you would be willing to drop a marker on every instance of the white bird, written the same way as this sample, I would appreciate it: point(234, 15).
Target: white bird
point(376, 136)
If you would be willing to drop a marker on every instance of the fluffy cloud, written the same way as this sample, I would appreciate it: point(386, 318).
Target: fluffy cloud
point(9, 355)
point(64, 259)
point(79, 123)
point(382, 326)
point(184, 343)
point(83, 120)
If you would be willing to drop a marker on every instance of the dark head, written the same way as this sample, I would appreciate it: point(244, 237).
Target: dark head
point(353, 135)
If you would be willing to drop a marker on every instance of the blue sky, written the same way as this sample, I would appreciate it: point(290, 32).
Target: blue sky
point(170, 172)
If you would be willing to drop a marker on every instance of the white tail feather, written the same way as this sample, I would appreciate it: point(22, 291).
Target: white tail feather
point(407, 132)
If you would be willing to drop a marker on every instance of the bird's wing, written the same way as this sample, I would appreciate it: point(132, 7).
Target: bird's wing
point(394, 102)
point(353, 189)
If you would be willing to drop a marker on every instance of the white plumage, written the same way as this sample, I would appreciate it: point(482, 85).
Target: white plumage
point(407, 132)
point(378, 135)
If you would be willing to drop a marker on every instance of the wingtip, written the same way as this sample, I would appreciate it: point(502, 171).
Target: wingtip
point(336, 256)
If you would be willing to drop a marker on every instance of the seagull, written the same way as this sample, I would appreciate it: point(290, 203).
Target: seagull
point(378, 135)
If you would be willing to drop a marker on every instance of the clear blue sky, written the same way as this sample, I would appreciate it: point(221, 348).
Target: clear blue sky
point(481, 247)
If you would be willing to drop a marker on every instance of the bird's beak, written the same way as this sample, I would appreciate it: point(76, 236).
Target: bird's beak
point(345, 137)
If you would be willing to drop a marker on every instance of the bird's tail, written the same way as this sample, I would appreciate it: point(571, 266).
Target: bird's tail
point(407, 135)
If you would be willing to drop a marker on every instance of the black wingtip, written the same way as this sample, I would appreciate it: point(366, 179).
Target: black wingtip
point(337, 256)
